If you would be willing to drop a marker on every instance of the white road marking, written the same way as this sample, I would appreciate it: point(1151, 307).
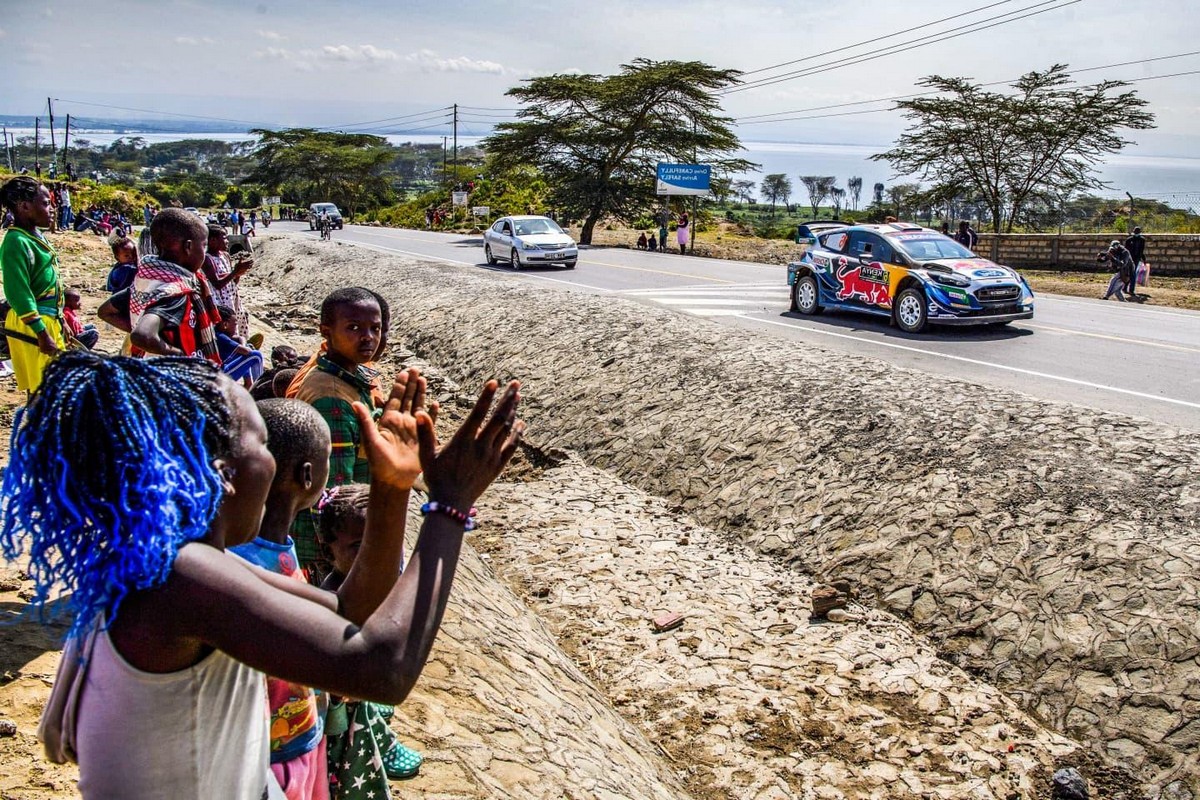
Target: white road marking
point(428, 257)
point(1118, 307)
point(977, 362)
point(704, 301)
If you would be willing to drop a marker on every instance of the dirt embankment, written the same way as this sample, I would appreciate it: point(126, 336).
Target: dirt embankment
point(1049, 548)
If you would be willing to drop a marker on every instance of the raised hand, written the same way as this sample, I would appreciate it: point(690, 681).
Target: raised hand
point(459, 472)
point(393, 443)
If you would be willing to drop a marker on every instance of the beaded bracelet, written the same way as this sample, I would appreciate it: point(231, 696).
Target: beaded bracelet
point(467, 520)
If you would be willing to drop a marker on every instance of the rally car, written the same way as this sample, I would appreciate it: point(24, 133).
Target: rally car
point(914, 275)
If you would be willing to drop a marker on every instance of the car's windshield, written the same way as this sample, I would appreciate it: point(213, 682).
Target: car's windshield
point(525, 227)
point(326, 208)
point(930, 246)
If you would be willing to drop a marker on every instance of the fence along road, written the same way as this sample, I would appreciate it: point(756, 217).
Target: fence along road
point(1129, 359)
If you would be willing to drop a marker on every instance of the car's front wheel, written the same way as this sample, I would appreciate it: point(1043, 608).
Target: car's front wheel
point(569, 265)
point(487, 253)
point(515, 258)
point(804, 296)
point(911, 313)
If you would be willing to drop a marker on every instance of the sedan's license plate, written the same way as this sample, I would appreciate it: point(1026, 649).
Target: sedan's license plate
point(556, 255)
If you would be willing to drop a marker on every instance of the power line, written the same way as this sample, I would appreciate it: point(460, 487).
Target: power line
point(481, 108)
point(912, 44)
point(166, 113)
point(878, 38)
point(385, 119)
point(881, 110)
point(758, 117)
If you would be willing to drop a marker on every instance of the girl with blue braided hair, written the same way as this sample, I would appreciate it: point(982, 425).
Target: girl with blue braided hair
point(169, 466)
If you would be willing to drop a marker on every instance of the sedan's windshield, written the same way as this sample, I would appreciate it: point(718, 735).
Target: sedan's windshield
point(930, 246)
point(326, 208)
point(526, 227)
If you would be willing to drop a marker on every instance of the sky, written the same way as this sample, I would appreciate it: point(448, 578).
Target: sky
point(334, 63)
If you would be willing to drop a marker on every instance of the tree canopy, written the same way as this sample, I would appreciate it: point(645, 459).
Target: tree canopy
point(349, 169)
point(819, 188)
point(776, 188)
point(597, 139)
point(1042, 140)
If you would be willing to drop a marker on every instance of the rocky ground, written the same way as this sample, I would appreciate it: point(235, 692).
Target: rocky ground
point(1028, 545)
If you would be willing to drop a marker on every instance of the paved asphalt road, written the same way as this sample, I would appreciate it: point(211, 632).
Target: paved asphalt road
point(1130, 359)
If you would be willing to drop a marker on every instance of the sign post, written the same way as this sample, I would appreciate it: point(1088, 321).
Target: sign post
point(688, 180)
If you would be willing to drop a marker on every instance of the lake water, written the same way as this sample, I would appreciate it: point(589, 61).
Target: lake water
point(1169, 178)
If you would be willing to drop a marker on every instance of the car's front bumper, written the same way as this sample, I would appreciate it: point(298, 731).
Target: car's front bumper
point(981, 319)
point(549, 256)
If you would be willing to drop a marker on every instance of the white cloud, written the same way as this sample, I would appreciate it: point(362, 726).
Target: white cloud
point(276, 53)
point(364, 53)
point(429, 61)
point(273, 36)
point(192, 41)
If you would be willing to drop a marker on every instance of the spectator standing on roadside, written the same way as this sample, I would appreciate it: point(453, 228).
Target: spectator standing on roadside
point(254, 219)
point(224, 278)
point(682, 230)
point(967, 236)
point(147, 214)
point(1136, 245)
point(32, 285)
point(1118, 258)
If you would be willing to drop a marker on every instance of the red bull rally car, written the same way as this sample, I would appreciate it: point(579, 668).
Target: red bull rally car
point(914, 275)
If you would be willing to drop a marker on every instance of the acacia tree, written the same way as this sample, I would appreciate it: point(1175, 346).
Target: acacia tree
point(743, 189)
point(776, 187)
point(596, 139)
point(819, 187)
point(349, 169)
point(839, 196)
point(854, 186)
point(1043, 138)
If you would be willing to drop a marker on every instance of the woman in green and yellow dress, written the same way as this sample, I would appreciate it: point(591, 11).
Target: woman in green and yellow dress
point(32, 287)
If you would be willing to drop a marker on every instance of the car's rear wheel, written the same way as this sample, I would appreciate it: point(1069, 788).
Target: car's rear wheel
point(911, 313)
point(487, 253)
point(804, 296)
point(515, 258)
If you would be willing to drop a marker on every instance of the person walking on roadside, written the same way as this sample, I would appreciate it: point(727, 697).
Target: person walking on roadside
point(1136, 245)
point(967, 236)
point(1118, 258)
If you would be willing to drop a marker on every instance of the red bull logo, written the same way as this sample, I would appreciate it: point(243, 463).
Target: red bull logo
point(865, 283)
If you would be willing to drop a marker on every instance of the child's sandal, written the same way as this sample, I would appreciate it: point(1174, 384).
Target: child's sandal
point(401, 762)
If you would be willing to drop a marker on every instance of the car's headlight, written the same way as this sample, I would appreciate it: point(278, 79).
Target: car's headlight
point(949, 279)
point(529, 246)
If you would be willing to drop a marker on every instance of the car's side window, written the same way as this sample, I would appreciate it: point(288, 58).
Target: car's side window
point(859, 244)
point(506, 230)
point(498, 227)
point(835, 242)
point(881, 250)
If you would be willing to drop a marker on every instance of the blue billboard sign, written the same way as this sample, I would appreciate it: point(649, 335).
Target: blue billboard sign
point(685, 179)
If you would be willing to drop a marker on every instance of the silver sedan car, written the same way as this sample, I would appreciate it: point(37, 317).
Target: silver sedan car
point(526, 240)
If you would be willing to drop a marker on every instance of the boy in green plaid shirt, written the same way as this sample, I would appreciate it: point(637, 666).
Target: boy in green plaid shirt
point(353, 324)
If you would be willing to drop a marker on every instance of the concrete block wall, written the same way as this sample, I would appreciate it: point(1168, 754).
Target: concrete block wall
point(1168, 254)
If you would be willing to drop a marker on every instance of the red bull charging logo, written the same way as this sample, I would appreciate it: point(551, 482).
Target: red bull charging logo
point(866, 283)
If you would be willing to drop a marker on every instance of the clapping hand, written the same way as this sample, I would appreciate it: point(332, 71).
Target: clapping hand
point(393, 443)
point(459, 472)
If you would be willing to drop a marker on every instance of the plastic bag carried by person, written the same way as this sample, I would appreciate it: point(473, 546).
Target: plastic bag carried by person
point(1143, 274)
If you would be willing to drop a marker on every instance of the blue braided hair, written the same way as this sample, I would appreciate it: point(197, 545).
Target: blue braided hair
point(110, 474)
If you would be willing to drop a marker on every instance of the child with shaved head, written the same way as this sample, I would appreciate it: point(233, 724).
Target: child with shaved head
point(170, 305)
point(298, 438)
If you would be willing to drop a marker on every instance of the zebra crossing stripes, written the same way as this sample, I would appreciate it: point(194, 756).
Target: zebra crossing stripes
point(718, 301)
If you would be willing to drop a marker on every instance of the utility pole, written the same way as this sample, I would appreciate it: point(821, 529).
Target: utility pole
point(37, 146)
point(66, 139)
point(456, 144)
point(53, 144)
point(444, 175)
point(8, 151)
point(1130, 225)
